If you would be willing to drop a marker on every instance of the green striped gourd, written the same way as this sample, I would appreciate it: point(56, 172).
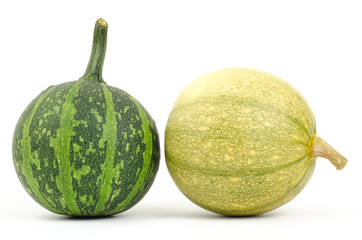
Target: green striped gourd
point(84, 148)
point(242, 142)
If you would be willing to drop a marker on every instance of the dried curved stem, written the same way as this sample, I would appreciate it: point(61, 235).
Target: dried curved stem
point(319, 148)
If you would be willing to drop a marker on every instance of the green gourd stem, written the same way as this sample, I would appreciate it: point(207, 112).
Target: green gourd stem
point(95, 64)
point(319, 148)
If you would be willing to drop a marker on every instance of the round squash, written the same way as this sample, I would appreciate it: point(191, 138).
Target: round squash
point(84, 148)
point(242, 142)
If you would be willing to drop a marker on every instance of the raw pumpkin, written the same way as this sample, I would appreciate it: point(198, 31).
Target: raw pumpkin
point(242, 142)
point(84, 148)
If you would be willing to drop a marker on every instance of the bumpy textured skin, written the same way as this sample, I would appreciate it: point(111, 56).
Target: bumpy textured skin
point(84, 148)
point(237, 142)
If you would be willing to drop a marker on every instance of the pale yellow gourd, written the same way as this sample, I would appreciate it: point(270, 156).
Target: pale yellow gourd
point(242, 142)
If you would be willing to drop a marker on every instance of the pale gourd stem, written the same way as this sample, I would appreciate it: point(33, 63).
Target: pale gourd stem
point(319, 148)
point(95, 64)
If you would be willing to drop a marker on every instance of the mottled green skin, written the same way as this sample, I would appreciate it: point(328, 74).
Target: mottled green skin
point(84, 148)
point(237, 142)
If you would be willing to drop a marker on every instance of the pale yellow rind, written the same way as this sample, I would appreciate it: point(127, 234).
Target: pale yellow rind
point(237, 142)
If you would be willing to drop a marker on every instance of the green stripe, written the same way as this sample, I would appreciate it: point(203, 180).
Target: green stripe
point(242, 172)
point(109, 137)
point(28, 157)
point(147, 157)
point(61, 145)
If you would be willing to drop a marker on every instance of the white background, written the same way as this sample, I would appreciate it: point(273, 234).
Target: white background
point(156, 48)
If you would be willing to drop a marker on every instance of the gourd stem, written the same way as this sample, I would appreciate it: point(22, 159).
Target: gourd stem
point(319, 148)
point(95, 64)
